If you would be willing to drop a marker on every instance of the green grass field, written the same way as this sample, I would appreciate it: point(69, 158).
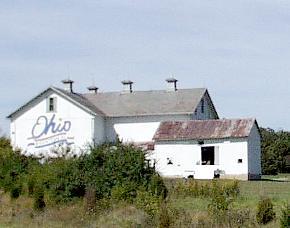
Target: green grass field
point(275, 187)
point(19, 213)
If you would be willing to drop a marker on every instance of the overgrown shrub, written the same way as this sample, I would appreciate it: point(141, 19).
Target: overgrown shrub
point(119, 171)
point(63, 179)
point(207, 189)
point(239, 218)
point(90, 199)
point(124, 192)
point(13, 167)
point(285, 217)
point(157, 187)
point(165, 218)
point(231, 188)
point(265, 211)
point(30, 186)
point(219, 201)
point(148, 202)
point(112, 170)
point(15, 190)
point(38, 198)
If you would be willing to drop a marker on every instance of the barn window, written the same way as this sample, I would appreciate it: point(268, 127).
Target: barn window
point(51, 104)
point(209, 155)
point(240, 160)
point(202, 105)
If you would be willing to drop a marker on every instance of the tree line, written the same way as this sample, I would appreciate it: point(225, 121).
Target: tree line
point(275, 148)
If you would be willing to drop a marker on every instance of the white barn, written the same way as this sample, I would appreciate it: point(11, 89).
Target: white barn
point(58, 118)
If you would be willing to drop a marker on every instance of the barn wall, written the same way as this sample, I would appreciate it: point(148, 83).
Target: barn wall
point(138, 128)
point(254, 148)
point(186, 157)
point(79, 134)
point(99, 130)
point(142, 128)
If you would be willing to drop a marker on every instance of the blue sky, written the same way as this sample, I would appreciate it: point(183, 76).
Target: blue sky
point(239, 50)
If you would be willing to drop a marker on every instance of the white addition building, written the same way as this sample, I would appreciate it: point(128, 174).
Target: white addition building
point(180, 128)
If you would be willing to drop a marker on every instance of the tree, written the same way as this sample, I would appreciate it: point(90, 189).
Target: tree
point(275, 148)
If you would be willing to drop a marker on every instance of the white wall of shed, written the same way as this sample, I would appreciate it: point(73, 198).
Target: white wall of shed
point(186, 158)
point(81, 124)
point(254, 148)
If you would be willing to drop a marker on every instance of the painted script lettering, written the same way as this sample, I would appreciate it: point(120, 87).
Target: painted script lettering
point(43, 126)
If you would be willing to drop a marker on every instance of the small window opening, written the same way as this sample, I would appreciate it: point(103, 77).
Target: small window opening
point(207, 155)
point(169, 161)
point(240, 160)
point(51, 104)
point(202, 105)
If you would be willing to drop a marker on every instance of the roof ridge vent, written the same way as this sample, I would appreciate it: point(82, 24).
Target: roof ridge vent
point(171, 84)
point(68, 85)
point(93, 89)
point(127, 86)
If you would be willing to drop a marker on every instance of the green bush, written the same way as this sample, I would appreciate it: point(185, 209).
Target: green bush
point(63, 179)
point(121, 169)
point(191, 188)
point(38, 197)
point(206, 189)
point(265, 211)
point(90, 199)
point(165, 218)
point(13, 166)
point(239, 218)
point(285, 217)
point(219, 201)
point(125, 192)
point(148, 202)
point(112, 170)
point(15, 191)
point(30, 186)
point(231, 188)
point(157, 187)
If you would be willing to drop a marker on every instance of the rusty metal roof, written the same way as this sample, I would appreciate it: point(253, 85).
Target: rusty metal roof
point(204, 129)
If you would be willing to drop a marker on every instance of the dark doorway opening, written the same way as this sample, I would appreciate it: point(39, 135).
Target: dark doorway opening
point(207, 155)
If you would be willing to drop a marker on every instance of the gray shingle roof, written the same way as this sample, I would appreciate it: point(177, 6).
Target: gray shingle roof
point(155, 102)
point(137, 103)
point(79, 98)
point(204, 129)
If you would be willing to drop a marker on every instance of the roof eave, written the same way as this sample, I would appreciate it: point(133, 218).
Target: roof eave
point(74, 101)
point(150, 114)
point(54, 89)
point(197, 139)
point(27, 103)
